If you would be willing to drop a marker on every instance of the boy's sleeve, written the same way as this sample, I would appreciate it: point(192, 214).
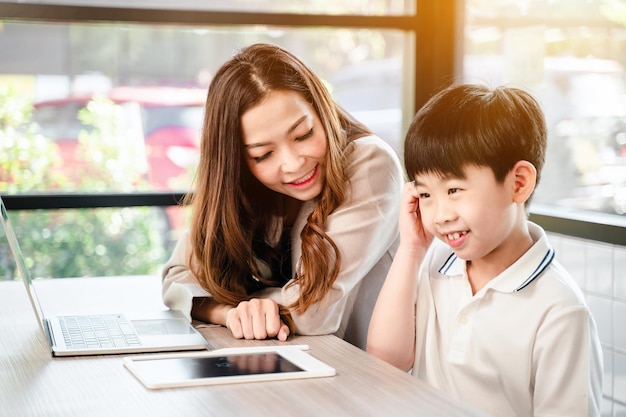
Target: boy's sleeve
point(568, 365)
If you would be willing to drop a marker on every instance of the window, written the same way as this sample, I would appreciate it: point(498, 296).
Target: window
point(105, 99)
point(96, 88)
point(572, 56)
point(99, 97)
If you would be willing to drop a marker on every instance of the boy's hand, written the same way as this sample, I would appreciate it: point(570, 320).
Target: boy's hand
point(412, 230)
point(256, 319)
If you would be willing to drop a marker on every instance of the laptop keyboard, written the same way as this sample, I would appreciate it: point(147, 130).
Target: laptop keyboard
point(99, 331)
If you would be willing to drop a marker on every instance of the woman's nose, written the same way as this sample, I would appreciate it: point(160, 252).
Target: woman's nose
point(291, 161)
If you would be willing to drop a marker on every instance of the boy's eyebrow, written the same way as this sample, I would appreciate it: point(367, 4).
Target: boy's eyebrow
point(290, 130)
point(417, 183)
point(442, 176)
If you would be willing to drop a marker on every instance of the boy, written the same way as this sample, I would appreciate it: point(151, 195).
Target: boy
point(485, 312)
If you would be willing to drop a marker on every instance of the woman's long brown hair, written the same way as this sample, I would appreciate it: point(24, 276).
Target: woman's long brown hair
point(231, 209)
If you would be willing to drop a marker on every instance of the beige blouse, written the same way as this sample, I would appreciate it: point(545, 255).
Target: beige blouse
point(364, 228)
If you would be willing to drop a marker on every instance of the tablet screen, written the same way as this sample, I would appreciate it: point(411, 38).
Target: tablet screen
point(189, 368)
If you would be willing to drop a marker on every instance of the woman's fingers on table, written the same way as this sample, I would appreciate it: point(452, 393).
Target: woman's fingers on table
point(257, 318)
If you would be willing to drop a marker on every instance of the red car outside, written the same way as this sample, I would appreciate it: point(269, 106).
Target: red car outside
point(171, 119)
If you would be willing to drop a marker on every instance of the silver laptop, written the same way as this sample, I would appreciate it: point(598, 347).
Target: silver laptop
point(98, 334)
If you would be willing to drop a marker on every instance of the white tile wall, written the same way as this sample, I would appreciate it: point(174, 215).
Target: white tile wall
point(619, 378)
point(602, 310)
point(600, 270)
point(607, 385)
point(570, 252)
point(619, 268)
point(619, 325)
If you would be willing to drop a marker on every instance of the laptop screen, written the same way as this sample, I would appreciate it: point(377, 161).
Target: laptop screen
point(19, 261)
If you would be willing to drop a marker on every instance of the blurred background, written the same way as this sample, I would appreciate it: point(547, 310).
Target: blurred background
point(116, 106)
point(101, 104)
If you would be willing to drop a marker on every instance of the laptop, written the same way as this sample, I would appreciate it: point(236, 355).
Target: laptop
point(99, 334)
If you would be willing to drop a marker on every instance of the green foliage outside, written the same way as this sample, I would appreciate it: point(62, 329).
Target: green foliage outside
point(77, 242)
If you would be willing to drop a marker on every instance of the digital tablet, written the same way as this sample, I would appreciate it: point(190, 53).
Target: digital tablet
point(225, 366)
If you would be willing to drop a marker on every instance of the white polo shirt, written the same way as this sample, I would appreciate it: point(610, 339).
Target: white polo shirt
point(524, 345)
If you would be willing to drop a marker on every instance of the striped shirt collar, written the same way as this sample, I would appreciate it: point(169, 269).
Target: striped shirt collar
point(518, 276)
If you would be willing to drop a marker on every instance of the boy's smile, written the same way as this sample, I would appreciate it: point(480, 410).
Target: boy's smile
point(456, 239)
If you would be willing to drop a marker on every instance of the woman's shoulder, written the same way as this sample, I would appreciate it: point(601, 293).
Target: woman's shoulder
point(372, 150)
point(372, 143)
point(373, 167)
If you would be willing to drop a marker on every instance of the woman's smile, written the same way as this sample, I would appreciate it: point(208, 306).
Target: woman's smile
point(307, 179)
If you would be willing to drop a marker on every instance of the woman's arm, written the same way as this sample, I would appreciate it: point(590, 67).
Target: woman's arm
point(364, 228)
point(391, 334)
point(179, 287)
point(254, 319)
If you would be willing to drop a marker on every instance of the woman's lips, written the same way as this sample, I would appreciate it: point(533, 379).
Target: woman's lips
point(308, 178)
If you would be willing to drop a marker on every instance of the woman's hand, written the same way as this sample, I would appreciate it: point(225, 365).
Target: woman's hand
point(256, 319)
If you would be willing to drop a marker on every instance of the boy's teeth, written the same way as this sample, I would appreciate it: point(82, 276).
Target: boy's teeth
point(455, 235)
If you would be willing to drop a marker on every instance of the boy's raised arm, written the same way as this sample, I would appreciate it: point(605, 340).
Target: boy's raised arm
point(391, 335)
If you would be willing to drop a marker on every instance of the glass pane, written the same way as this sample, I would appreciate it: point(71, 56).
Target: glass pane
point(333, 7)
point(118, 107)
point(572, 55)
point(81, 242)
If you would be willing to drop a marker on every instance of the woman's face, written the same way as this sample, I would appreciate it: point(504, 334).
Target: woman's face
point(285, 145)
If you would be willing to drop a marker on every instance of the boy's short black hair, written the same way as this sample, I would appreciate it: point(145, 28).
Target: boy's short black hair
point(471, 124)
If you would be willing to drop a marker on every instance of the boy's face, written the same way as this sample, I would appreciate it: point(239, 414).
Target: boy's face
point(474, 215)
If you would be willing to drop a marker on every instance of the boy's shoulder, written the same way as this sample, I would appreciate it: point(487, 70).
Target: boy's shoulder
point(536, 272)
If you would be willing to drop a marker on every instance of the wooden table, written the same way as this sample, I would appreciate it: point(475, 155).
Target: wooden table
point(32, 383)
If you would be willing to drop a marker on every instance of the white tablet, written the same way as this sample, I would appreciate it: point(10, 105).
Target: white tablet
point(225, 366)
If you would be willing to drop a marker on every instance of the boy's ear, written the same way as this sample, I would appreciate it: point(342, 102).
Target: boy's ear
point(525, 179)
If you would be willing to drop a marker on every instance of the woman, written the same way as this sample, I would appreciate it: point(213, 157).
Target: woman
point(295, 205)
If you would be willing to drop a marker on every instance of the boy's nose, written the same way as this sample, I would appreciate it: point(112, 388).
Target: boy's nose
point(444, 213)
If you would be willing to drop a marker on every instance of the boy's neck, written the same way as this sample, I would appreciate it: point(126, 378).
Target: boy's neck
point(481, 271)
